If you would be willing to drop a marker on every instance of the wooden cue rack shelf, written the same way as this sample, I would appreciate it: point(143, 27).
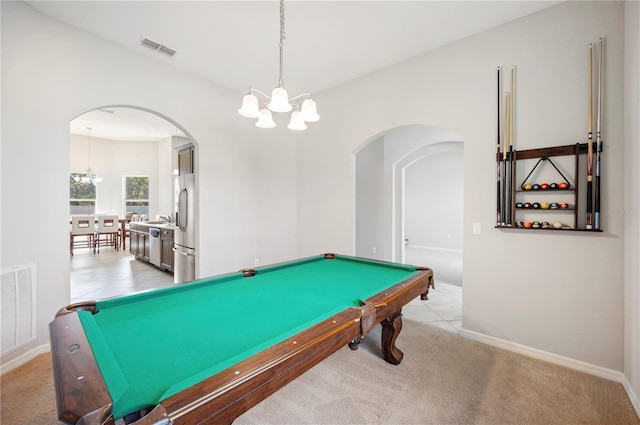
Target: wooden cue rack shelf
point(517, 192)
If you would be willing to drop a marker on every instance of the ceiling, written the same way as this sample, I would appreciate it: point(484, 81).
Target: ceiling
point(236, 43)
point(123, 123)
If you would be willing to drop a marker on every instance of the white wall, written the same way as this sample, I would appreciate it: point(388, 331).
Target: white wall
point(632, 200)
point(246, 179)
point(572, 306)
point(370, 218)
point(433, 201)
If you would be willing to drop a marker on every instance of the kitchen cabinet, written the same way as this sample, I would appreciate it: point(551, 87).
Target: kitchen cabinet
point(186, 161)
point(139, 241)
point(166, 241)
point(140, 244)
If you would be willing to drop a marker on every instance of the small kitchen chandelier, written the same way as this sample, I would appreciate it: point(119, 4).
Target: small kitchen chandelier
point(89, 177)
point(279, 100)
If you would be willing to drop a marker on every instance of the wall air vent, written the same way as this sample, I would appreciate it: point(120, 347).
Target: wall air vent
point(157, 47)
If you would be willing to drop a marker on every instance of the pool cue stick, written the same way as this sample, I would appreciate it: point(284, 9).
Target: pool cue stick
point(512, 100)
point(589, 218)
point(504, 160)
point(596, 208)
point(498, 198)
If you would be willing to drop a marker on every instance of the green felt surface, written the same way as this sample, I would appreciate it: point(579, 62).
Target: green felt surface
point(150, 346)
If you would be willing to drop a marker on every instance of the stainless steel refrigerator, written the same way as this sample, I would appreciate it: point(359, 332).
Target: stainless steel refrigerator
point(184, 248)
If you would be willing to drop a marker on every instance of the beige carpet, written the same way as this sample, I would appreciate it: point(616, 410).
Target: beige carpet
point(443, 379)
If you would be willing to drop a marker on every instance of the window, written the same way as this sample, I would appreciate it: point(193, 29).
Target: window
point(82, 195)
point(136, 194)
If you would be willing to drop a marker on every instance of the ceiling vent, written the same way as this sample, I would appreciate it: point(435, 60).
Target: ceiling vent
point(157, 47)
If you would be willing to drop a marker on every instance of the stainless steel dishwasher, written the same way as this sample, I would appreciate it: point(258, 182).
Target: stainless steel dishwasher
point(155, 247)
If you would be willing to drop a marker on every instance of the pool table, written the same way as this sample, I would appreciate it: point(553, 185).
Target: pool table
point(209, 350)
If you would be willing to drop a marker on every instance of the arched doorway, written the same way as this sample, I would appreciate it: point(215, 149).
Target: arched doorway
point(125, 143)
point(385, 167)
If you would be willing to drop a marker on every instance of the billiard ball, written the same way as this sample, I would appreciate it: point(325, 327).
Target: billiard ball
point(554, 206)
point(535, 225)
point(557, 225)
point(553, 186)
point(544, 186)
point(563, 205)
point(527, 224)
point(544, 205)
point(545, 225)
point(535, 186)
point(563, 185)
point(536, 205)
point(527, 186)
point(519, 205)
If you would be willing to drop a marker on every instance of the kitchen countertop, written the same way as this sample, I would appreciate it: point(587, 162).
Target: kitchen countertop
point(156, 224)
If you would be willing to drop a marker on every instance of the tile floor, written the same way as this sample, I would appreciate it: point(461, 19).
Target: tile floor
point(112, 273)
point(115, 273)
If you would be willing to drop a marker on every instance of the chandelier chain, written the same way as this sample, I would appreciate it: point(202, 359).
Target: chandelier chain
point(279, 101)
point(283, 34)
point(282, 37)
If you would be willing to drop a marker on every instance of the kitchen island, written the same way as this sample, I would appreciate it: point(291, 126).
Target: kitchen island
point(152, 242)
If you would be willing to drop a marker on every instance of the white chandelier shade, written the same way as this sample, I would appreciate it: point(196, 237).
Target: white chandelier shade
point(297, 121)
point(279, 100)
point(309, 113)
point(265, 119)
point(250, 107)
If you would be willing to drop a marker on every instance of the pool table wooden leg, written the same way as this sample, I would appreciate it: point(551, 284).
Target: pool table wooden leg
point(391, 327)
point(356, 342)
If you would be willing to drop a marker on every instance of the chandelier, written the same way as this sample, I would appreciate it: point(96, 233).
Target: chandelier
point(279, 100)
point(89, 177)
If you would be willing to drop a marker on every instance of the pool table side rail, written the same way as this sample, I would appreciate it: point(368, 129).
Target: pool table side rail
point(252, 271)
point(392, 300)
point(79, 386)
point(230, 393)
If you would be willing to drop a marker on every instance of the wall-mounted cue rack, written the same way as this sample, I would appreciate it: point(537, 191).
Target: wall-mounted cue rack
point(534, 204)
point(529, 202)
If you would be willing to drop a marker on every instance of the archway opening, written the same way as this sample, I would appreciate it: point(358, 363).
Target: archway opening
point(409, 206)
point(125, 145)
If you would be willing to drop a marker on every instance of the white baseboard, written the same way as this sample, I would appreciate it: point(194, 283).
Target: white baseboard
point(635, 401)
point(22, 359)
point(602, 372)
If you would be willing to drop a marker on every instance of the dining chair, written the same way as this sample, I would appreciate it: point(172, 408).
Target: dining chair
point(107, 233)
point(129, 217)
point(82, 232)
